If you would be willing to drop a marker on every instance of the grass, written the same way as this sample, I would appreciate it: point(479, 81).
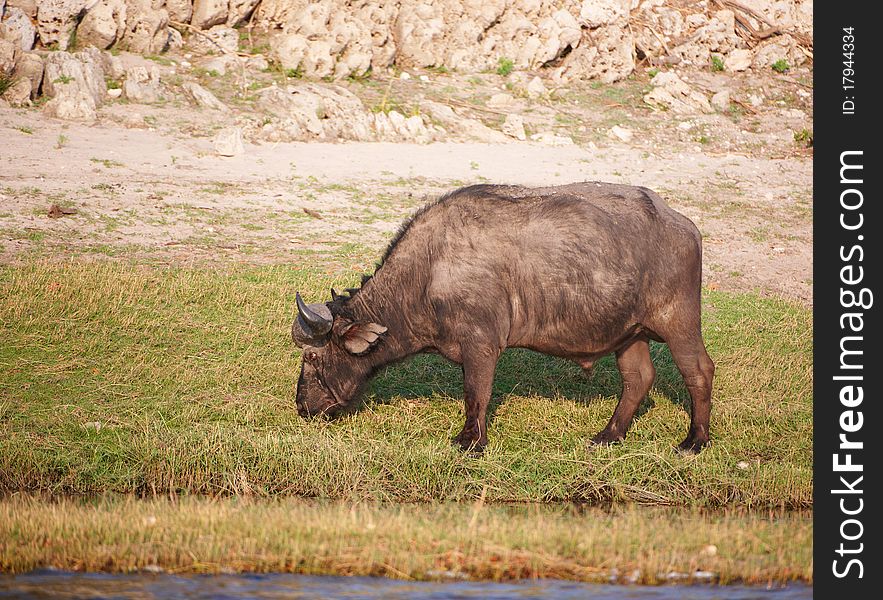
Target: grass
point(436, 541)
point(190, 376)
point(505, 66)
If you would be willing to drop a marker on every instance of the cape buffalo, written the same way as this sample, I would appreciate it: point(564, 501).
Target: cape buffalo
point(576, 271)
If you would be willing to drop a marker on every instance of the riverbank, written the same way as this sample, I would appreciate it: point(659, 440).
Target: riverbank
point(624, 544)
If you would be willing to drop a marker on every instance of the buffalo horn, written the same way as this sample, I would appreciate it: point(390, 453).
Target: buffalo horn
point(313, 323)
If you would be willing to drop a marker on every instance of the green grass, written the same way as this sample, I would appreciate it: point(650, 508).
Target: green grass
point(407, 541)
point(505, 66)
point(191, 373)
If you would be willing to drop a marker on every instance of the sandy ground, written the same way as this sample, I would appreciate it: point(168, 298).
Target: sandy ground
point(157, 193)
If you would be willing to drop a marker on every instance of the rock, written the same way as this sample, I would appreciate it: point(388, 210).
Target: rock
point(74, 83)
point(180, 10)
point(394, 126)
point(603, 12)
point(56, 21)
point(222, 39)
point(114, 92)
point(755, 100)
point(670, 91)
point(221, 64)
point(239, 11)
point(468, 128)
point(228, 142)
point(721, 100)
point(147, 29)
point(467, 36)
point(311, 111)
point(258, 63)
point(203, 97)
point(501, 101)
point(536, 88)
point(8, 55)
point(29, 7)
point(513, 126)
point(104, 23)
point(780, 47)
point(717, 36)
point(405, 76)
point(175, 39)
point(19, 93)
point(208, 13)
point(113, 66)
point(29, 66)
point(549, 138)
point(142, 85)
point(18, 26)
point(621, 133)
point(738, 60)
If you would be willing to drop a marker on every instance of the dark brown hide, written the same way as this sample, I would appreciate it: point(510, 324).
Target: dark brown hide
point(576, 271)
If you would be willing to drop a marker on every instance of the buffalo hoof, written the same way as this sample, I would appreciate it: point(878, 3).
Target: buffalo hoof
point(468, 444)
point(605, 438)
point(692, 445)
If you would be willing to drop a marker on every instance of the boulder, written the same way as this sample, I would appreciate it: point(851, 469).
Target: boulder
point(721, 100)
point(180, 10)
point(103, 24)
point(19, 27)
point(781, 47)
point(228, 142)
point(208, 13)
point(29, 66)
point(738, 60)
point(142, 85)
point(29, 7)
point(75, 84)
point(57, 20)
point(513, 126)
point(218, 39)
point(324, 112)
point(671, 92)
point(203, 97)
point(464, 127)
point(19, 93)
point(239, 11)
point(621, 133)
point(8, 55)
point(146, 28)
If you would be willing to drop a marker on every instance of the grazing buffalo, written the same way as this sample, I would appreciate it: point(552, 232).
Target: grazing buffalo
point(576, 271)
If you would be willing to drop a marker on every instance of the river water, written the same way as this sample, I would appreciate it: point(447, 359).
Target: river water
point(61, 584)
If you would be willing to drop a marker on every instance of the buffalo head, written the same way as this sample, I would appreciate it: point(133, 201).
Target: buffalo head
point(332, 374)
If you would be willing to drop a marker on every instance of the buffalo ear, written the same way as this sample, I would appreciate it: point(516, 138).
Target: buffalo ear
point(359, 338)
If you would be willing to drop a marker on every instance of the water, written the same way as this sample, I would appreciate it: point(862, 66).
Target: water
point(61, 584)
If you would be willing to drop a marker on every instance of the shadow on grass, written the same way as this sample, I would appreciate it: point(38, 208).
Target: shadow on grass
point(526, 373)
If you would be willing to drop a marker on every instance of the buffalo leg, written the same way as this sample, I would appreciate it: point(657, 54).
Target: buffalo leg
point(478, 379)
point(638, 374)
point(697, 369)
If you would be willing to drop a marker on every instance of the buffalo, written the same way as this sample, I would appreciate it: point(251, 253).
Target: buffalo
point(576, 271)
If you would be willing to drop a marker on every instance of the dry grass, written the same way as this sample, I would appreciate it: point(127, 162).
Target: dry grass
point(404, 541)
